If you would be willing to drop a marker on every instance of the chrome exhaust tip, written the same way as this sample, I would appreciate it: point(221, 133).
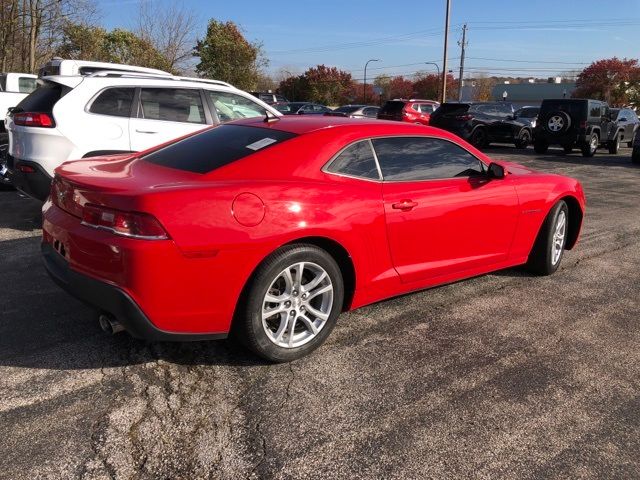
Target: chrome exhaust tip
point(109, 324)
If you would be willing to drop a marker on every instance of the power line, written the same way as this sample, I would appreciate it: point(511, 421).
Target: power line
point(528, 61)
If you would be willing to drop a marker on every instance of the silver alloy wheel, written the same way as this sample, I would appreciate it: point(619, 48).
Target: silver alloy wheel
point(557, 244)
point(297, 304)
point(555, 123)
point(593, 144)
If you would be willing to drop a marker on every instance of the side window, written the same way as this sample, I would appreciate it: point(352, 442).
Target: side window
point(426, 108)
point(113, 101)
point(320, 108)
point(415, 107)
point(230, 106)
point(486, 109)
point(594, 110)
point(370, 112)
point(356, 160)
point(3, 83)
point(26, 84)
point(416, 158)
point(172, 105)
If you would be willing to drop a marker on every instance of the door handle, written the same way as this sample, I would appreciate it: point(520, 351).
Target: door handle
point(145, 131)
point(405, 205)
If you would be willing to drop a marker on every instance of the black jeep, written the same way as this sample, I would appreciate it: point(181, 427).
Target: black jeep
point(571, 123)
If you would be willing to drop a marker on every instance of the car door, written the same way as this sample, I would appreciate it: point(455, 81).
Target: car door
point(165, 114)
point(444, 214)
point(106, 127)
point(503, 126)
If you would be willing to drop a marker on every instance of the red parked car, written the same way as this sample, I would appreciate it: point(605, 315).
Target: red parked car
point(271, 228)
point(412, 111)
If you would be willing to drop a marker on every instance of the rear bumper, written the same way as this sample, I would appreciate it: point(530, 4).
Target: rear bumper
point(36, 182)
point(111, 299)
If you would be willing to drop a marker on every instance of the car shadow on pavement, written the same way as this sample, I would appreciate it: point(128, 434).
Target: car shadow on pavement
point(42, 326)
point(557, 155)
point(19, 212)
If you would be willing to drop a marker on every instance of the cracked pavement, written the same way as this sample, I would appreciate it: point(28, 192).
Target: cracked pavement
point(502, 376)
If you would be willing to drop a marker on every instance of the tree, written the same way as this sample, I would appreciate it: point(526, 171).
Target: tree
point(327, 85)
point(170, 30)
point(482, 88)
point(612, 80)
point(226, 55)
point(117, 46)
point(427, 86)
point(400, 87)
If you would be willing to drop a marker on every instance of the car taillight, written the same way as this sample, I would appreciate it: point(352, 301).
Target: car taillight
point(464, 117)
point(583, 124)
point(128, 224)
point(33, 119)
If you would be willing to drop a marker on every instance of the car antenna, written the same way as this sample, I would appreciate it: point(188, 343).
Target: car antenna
point(270, 117)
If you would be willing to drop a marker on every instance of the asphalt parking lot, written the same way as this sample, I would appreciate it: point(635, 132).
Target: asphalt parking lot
point(502, 376)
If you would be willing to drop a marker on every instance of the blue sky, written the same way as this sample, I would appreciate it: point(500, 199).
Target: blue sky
point(535, 37)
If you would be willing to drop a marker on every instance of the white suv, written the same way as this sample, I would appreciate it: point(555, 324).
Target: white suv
point(112, 111)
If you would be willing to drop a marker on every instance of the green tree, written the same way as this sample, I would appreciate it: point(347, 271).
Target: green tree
point(226, 55)
point(117, 46)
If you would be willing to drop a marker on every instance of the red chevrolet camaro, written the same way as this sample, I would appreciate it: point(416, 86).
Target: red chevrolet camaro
point(271, 228)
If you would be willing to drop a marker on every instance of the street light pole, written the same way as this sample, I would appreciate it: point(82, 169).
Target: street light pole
point(364, 88)
point(443, 97)
point(438, 70)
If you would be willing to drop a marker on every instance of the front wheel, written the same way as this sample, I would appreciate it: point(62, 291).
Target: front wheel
point(523, 140)
point(548, 249)
point(291, 304)
point(589, 148)
point(479, 138)
point(614, 145)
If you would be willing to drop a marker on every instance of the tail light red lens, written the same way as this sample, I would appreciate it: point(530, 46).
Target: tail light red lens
point(127, 224)
point(33, 119)
point(464, 117)
point(583, 124)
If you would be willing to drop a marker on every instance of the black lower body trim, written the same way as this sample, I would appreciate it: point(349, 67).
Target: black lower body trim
point(36, 184)
point(113, 300)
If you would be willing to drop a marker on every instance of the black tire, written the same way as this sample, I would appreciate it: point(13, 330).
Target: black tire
point(635, 156)
point(589, 148)
point(540, 147)
point(248, 326)
point(524, 139)
point(541, 258)
point(567, 148)
point(479, 138)
point(614, 145)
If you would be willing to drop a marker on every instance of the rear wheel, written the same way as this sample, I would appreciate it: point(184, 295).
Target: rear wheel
point(614, 145)
point(479, 138)
point(540, 147)
point(291, 304)
point(589, 148)
point(548, 250)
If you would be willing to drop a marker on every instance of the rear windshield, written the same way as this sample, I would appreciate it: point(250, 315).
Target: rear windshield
point(456, 108)
point(570, 107)
point(217, 147)
point(42, 99)
point(392, 107)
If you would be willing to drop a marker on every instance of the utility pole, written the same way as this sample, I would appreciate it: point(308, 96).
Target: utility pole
point(443, 97)
point(462, 44)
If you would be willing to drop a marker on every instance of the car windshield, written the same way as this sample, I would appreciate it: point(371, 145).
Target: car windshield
point(216, 147)
point(527, 112)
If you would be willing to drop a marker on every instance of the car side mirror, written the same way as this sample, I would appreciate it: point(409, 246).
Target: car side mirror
point(495, 171)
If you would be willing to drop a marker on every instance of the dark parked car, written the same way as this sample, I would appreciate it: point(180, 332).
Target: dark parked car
point(269, 98)
point(635, 156)
point(627, 123)
point(571, 122)
point(482, 123)
point(528, 114)
point(301, 108)
point(411, 111)
point(355, 111)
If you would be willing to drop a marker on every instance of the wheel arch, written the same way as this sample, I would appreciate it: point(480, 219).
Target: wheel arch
point(333, 248)
point(575, 220)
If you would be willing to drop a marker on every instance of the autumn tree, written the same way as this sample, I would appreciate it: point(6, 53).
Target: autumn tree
point(226, 55)
point(482, 88)
point(400, 87)
point(612, 80)
point(427, 86)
